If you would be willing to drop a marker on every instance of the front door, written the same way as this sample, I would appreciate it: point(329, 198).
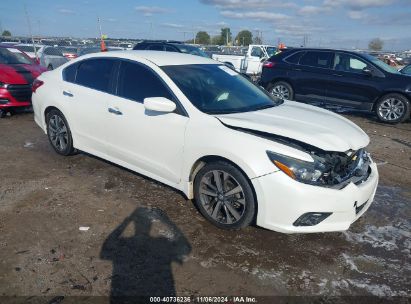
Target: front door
point(349, 85)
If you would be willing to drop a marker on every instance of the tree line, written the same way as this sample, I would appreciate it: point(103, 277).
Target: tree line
point(244, 37)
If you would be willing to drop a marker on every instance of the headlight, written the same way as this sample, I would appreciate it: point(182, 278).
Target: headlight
point(302, 171)
point(3, 85)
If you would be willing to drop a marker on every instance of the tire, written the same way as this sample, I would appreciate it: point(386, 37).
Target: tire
point(393, 108)
point(230, 207)
point(50, 67)
point(3, 113)
point(282, 90)
point(59, 134)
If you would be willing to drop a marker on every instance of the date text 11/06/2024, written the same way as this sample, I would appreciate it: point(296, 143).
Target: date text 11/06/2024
point(199, 299)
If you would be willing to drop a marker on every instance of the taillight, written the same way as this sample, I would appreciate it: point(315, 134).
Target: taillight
point(268, 64)
point(36, 84)
point(70, 56)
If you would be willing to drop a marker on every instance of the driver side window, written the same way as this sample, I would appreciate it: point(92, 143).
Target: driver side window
point(256, 52)
point(348, 63)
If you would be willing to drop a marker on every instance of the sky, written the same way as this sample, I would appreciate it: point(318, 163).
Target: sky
point(324, 23)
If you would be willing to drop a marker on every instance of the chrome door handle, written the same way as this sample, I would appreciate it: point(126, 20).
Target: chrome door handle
point(115, 111)
point(67, 93)
point(339, 75)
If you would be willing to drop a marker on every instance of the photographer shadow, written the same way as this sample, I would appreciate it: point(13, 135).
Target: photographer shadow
point(142, 259)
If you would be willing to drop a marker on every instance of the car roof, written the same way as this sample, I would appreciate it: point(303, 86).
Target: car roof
point(157, 57)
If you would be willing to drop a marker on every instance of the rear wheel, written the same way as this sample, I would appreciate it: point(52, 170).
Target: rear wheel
point(282, 90)
point(59, 133)
point(393, 108)
point(224, 196)
point(3, 113)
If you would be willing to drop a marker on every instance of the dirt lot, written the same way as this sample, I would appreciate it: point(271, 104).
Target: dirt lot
point(146, 238)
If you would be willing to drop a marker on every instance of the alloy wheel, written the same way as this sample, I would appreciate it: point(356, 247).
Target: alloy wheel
point(280, 91)
point(222, 197)
point(58, 133)
point(391, 109)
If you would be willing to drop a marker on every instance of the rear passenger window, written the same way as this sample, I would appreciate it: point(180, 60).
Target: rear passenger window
point(294, 58)
point(156, 47)
point(95, 74)
point(137, 82)
point(69, 73)
point(317, 59)
point(170, 49)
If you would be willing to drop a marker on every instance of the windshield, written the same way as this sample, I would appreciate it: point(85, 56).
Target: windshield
point(381, 64)
point(28, 48)
point(271, 51)
point(188, 49)
point(216, 89)
point(13, 56)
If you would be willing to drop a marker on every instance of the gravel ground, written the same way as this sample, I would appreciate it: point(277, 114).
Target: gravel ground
point(141, 237)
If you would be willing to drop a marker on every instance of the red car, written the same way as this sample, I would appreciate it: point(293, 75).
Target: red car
point(17, 73)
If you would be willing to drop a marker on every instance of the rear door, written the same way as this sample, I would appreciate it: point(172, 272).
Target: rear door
point(149, 142)
point(349, 85)
point(310, 76)
point(86, 91)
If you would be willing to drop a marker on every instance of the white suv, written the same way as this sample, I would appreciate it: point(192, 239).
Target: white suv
point(200, 127)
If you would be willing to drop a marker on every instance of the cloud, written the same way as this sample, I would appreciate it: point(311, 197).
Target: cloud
point(259, 15)
point(247, 4)
point(151, 10)
point(358, 4)
point(172, 25)
point(66, 11)
point(297, 30)
point(357, 15)
point(312, 10)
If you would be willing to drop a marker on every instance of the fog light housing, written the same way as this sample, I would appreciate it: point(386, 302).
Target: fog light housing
point(311, 218)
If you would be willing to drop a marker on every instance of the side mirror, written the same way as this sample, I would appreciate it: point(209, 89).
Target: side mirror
point(159, 104)
point(367, 71)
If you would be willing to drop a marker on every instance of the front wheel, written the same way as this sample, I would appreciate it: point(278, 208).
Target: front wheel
point(281, 89)
point(393, 108)
point(224, 196)
point(59, 133)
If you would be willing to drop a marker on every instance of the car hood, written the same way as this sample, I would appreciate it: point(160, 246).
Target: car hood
point(311, 125)
point(19, 73)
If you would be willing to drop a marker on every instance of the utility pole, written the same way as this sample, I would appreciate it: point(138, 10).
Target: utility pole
point(30, 32)
point(99, 25)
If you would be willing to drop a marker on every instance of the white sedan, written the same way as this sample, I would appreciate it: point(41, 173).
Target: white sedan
point(189, 122)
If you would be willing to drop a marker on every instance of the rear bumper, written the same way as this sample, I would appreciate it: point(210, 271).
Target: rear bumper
point(8, 101)
point(282, 200)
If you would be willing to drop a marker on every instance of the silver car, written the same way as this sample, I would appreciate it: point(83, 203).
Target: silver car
point(51, 57)
point(48, 56)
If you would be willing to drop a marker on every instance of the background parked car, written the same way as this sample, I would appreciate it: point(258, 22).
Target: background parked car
point(340, 78)
point(30, 49)
point(17, 73)
point(51, 57)
point(48, 56)
point(69, 52)
point(170, 46)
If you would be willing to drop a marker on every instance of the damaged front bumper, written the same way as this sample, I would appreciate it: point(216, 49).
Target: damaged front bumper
point(282, 201)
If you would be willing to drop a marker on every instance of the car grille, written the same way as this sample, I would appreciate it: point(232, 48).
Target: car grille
point(21, 92)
